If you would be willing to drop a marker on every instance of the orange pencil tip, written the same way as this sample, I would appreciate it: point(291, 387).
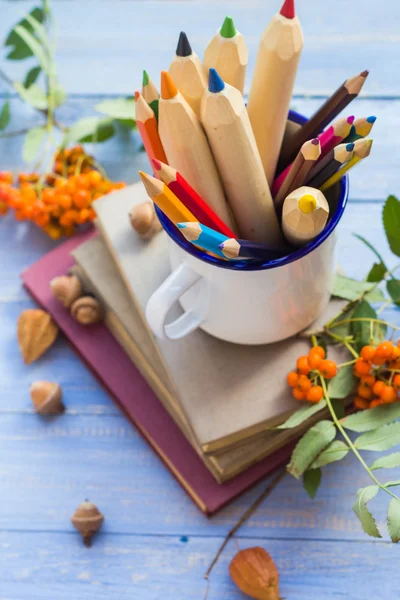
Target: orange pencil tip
point(137, 95)
point(168, 87)
point(156, 164)
point(287, 9)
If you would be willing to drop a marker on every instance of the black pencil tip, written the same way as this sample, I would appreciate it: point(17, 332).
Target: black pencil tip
point(183, 48)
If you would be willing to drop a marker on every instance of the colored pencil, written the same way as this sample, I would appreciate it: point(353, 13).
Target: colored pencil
point(166, 200)
point(271, 89)
point(187, 148)
point(227, 53)
point(362, 149)
point(335, 134)
point(304, 215)
point(147, 124)
point(150, 93)
point(228, 128)
point(328, 111)
point(295, 175)
point(234, 249)
point(202, 236)
point(360, 128)
point(190, 198)
point(188, 74)
point(330, 164)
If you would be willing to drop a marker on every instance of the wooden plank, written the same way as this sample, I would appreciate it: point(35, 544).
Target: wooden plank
point(56, 566)
point(105, 53)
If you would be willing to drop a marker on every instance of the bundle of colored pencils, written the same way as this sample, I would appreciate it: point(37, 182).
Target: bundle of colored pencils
point(220, 171)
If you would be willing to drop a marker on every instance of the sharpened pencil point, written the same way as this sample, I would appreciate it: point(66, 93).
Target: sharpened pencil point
point(215, 83)
point(315, 142)
point(349, 147)
point(183, 48)
point(371, 119)
point(137, 95)
point(350, 120)
point(168, 87)
point(145, 80)
point(364, 74)
point(228, 29)
point(307, 204)
point(156, 164)
point(288, 10)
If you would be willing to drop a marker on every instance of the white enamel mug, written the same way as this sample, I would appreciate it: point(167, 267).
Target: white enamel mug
point(244, 302)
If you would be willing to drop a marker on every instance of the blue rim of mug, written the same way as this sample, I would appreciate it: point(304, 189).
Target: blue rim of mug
point(177, 237)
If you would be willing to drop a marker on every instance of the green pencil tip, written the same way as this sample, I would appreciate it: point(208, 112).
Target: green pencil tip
point(145, 80)
point(228, 29)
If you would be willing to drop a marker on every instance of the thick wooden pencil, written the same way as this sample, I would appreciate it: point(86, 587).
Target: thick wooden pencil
point(225, 119)
point(187, 148)
point(331, 163)
point(166, 200)
point(335, 134)
point(272, 86)
point(190, 198)
point(147, 125)
point(304, 215)
point(150, 93)
point(362, 149)
point(227, 53)
point(202, 236)
point(360, 128)
point(295, 175)
point(234, 249)
point(328, 111)
point(188, 74)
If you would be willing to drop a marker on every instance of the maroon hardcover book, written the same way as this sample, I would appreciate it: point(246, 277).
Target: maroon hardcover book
point(105, 357)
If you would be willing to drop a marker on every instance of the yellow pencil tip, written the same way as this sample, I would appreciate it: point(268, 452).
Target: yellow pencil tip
point(168, 87)
point(307, 203)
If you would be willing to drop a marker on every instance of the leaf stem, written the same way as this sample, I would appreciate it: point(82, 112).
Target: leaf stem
point(345, 343)
point(365, 319)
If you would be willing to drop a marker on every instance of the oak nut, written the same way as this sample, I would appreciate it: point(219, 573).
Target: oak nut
point(87, 520)
point(255, 574)
point(47, 398)
point(144, 220)
point(66, 288)
point(87, 310)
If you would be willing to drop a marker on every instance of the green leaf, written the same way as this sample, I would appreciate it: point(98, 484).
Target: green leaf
point(32, 143)
point(311, 482)
point(20, 50)
point(310, 446)
point(302, 414)
point(393, 288)
point(120, 108)
point(35, 46)
point(364, 495)
point(377, 272)
point(59, 95)
point(41, 32)
point(386, 462)
point(32, 76)
point(344, 329)
point(334, 452)
point(5, 115)
point(338, 407)
point(391, 223)
point(91, 129)
point(393, 520)
point(392, 483)
point(367, 420)
point(380, 439)
point(342, 385)
point(350, 289)
point(33, 95)
point(362, 329)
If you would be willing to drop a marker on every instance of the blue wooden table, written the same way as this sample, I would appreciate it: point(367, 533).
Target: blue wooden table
point(155, 543)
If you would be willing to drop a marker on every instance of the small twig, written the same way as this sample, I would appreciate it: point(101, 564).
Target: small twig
point(270, 487)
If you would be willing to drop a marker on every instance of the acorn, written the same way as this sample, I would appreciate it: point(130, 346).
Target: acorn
point(47, 398)
point(144, 220)
point(66, 288)
point(87, 520)
point(87, 310)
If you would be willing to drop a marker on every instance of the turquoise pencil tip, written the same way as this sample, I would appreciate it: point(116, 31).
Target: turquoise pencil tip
point(183, 225)
point(371, 119)
point(215, 83)
point(349, 147)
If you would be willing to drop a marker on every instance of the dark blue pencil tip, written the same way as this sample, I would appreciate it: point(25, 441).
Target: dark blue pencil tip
point(215, 83)
point(349, 147)
point(371, 119)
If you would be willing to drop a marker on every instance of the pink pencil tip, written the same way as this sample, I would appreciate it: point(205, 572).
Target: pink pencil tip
point(350, 120)
point(287, 9)
point(156, 164)
point(315, 142)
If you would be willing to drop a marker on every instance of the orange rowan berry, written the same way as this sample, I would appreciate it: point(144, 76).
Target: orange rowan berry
point(292, 378)
point(92, 214)
point(376, 402)
point(42, 220)
point(298, 394)
point(395, 353)
point(119, 185)
point(368, 381)
point(94, 178)
point(364, 392)
point(315, 394)
point(58, 167)
point(388, 394)
point(6, 176)
point(64, 200)
point(303, 383)
point(384, 350)
point(379, 360)
point(361, 403)
point(71, 170)
point(316, 356)
point(60, 182)
point(70, 217)
point(328, 369)
point(48, 195)
point(53, 231)
point(82, 182)
point(378, 387)
point(28, 177)
point(362, 367)
point(396, 381)
point(82, 198)
point(368, 353)
point(302, 365)
point(97, 195)
point(84, 215)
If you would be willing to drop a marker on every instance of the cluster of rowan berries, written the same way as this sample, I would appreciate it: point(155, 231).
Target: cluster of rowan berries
point(308, 369)
point(376, 368)
point(62, 200)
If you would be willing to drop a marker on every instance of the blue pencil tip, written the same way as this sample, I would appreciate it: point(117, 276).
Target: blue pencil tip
point(371, 119)
point(181, 225)
point(349, 147)
point(215, 83)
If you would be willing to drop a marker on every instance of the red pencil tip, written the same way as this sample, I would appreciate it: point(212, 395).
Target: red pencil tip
point(137, 95)
point(156, 164)
point(287, 9)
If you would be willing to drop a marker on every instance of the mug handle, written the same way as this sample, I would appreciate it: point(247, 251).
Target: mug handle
point(163, 299)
